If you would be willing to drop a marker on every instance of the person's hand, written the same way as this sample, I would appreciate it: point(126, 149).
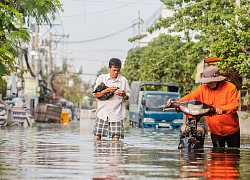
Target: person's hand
point(168, 102)
point(111, 89)
point(120, 93)
point(218, 111)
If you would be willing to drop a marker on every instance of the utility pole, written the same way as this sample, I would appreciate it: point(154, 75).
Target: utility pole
point(238, 3)
point(36, 66)
point(61, 37)
point(36, 49)
point(24, 50)
point(50, 60)
point(139, 27)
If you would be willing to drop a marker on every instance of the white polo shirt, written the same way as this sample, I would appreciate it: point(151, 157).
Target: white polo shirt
point(114, 108)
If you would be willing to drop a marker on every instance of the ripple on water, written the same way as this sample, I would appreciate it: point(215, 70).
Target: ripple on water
point(56, 151)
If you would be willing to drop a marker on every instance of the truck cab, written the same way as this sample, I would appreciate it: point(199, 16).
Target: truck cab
point(146, 105)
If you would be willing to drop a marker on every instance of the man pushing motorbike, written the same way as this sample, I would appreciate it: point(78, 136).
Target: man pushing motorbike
point(223, 96)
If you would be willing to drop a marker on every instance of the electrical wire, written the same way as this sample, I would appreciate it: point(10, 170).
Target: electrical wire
point(99, 38)
point(112, 2)
point(91, 60)
point(28, 65)
point(97, 12)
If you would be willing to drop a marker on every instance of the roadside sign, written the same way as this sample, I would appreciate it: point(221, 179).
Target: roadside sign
point(30, 86)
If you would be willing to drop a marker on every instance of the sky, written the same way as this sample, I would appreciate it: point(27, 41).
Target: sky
point(90, 32)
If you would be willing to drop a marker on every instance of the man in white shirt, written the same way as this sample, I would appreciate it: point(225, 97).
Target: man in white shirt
point(111, 112)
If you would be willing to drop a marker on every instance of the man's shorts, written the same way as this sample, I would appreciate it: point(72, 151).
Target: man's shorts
point(108, 129)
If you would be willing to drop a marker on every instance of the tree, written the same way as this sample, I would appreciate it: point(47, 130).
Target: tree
point(166, 59)
point(131, 68)
point(13, 15)
point(103, 70)
point(12, 34)
point(220, 28)
point(73, 93)
point(80, 71)
point(69, 85)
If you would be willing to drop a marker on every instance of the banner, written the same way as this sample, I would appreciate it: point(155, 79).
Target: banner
point(30, 86)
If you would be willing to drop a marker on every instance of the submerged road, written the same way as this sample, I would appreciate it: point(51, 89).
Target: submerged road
point(67, 151)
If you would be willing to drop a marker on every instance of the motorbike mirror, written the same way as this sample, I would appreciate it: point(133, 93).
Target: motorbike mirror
point(172, 99)
point(143, 102)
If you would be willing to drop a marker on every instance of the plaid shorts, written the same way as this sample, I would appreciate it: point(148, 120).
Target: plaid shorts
point(108, 129)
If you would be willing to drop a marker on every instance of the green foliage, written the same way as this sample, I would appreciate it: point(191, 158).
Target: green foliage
point(165, 59)
point(131, 68)
point(137, 38)
point(247, 104)
point(103, 70)
point(206, 28)
point(43, 11)
point(68, 85)
point(12, 32)
point(3, 86)
point(64, 66)
point(220, 27)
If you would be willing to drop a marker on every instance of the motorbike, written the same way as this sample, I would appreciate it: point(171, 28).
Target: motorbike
point(192, 132)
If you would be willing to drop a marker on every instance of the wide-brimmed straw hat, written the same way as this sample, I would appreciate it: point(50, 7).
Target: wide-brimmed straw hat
point(211, 74)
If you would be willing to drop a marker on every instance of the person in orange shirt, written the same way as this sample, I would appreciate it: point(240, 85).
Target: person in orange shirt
point(223, 96)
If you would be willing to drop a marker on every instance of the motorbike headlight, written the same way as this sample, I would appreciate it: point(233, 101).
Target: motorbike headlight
point(177, 121)
point(149, 120)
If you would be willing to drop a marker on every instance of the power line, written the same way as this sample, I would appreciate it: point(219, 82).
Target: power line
point(99, 50)
point(89, 74)
point(82, 59)
point(112, 2)
point(116, 2)
point(99, 38)
point(118, 7)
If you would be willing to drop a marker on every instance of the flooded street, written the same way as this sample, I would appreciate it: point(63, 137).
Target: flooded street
point(67, 151)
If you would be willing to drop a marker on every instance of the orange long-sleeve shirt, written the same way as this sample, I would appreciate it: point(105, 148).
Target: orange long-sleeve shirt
point(225, 96)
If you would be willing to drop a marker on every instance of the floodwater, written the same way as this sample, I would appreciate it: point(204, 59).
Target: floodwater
point(67, 151)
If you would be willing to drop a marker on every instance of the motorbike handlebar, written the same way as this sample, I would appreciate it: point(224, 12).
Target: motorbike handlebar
point(193, 108)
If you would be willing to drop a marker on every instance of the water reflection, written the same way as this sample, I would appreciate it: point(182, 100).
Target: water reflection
point(56, 151)
point(109, 156)
point(223, 163)
point(217, 163)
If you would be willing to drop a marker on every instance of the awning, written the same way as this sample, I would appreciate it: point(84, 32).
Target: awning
point(211, 59)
